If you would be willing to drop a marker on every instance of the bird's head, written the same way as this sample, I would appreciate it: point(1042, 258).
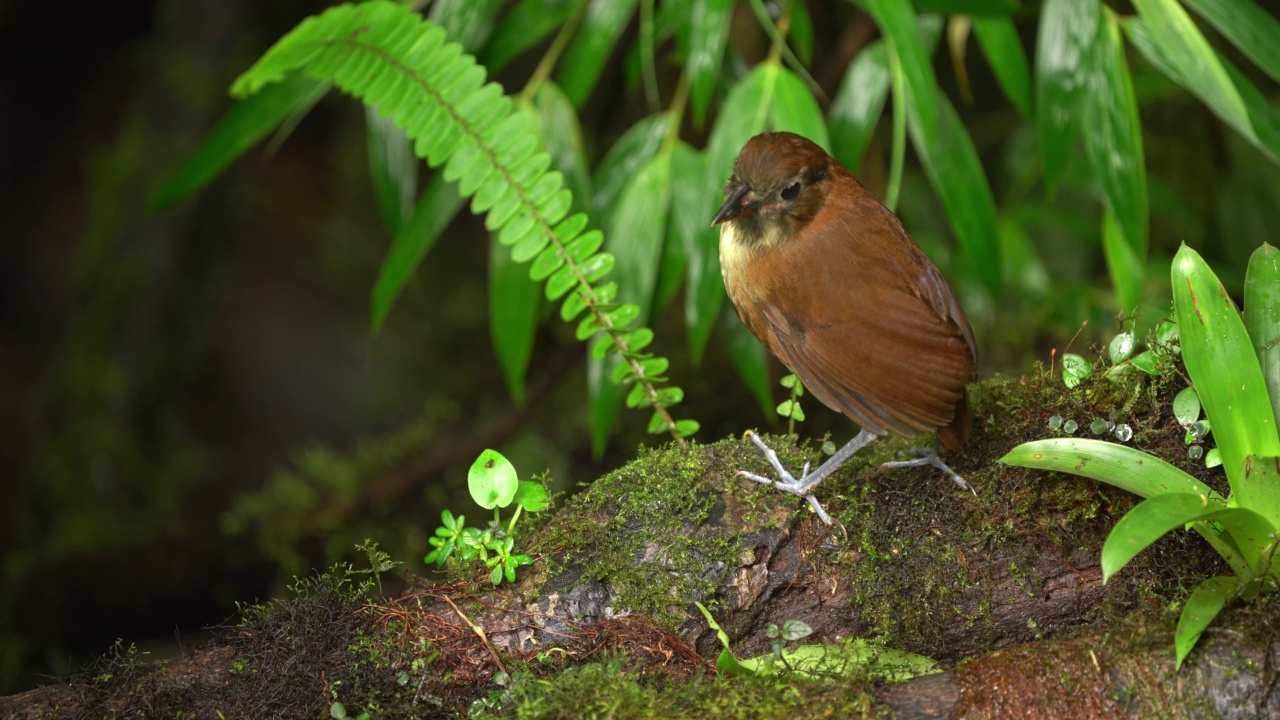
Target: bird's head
point(780, 182)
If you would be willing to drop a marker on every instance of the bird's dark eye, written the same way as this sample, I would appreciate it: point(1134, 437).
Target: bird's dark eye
point(791, 192)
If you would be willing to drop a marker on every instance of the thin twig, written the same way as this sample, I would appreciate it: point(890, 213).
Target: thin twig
point(479, 632)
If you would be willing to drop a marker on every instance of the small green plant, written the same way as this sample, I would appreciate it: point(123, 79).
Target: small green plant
point(790, 408)
point(494, 485)
point(1236, 376)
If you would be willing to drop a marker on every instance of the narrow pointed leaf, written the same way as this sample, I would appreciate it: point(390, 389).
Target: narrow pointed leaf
point(1068, 29)
point(1248, 27)
point(523, 27)
point(1119, 465)
point(750, 360)
point(1206, 601)
point(1123, 263)
point(999, 41)
point(436, 207)
point(858, 104)
point(393, 169)
point(630, 153)
point(635, 229)
point(897, 20)
point(1262, 317)
point(794, 109)
point(468, 22)
point(708, 34)
point(690, 226)
point(513, 316)
point(591, 47)
point(562, 138)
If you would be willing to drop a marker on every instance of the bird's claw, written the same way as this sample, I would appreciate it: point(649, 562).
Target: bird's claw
point(788, 483)
point(930, 457)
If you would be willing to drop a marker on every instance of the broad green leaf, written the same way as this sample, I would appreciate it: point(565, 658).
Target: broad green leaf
point(726, 663)
point(634, 231)
point(1123, 263)
point(1248, 27)
point(750, 360)
point(1260, 486)
point(977, 8)
point(468, 22)
point(1113, 140)
point(393, 168)
point(591, 47)
point(513, 316)
point(999, 41)
point(436, 207)
point(858, 103)
point(630, 153)
point(1206, 601)
point(951, 162)
point(522, 28)
point(708, 34)
point(690, 226)
point(1119, 465)
point(1221, 362)
point(251, 120)
point(562, 138)
point(1262, 317)
point(841, 659)
point(1068, 29)
point(794, 109)
point(741, 118)
point(492, 480)
point(532, 496)
point(897, 21)
point(1150, 519)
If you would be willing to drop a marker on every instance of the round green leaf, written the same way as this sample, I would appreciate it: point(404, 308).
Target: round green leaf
point(492, 480)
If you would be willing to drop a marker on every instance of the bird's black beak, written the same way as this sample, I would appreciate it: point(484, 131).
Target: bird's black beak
point(735, 203)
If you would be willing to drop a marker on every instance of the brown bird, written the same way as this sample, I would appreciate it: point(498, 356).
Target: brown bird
point(826, 277)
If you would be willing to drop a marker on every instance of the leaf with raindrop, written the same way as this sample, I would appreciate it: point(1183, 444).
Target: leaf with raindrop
point(1186, 406)
point(1074, 369)
point(1121, 347)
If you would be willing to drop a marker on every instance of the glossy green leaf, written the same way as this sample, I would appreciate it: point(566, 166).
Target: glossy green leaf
point(393, 169)
point(513, 316)
point(1206, 601)
point(532, 496)
point(794, 109)
point(1221, 362)
point(897, 21)
point(999, 41)
point(589, 51)
point(562, 137)
point(251, 120)
point(1186, 406)
point(492, 480)
point(1248, 27)
point(467, 22)
point(1068, 30)
point(858, 104)
point(1123, 263)
point(523, 27)
point(436, 207)
point(741, 118)
point(749, 358)
point(691, 227)
point(630, 153)
point(1118, 465)
point(1150, 519)
point(634, 231)
point(1246, 109)
point(1262, 317)
point(1259, 488)
point(951, 162)
point(1113, 141)
point(708, 34)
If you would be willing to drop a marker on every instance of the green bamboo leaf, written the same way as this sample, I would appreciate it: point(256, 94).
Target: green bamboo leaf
point(513, 316)
point(591, 47)
point(1262, 317)
point(562, 137)
point(672, 268)
point(800, 33)
point(897, 21)
point(1113, 140)
point(1258, 122)
point(634, 231)
point(794, 109)
point(467, 22)
point(708, 34)
point(251, 120)
point(630, 153)
point(1150, 519)
point(1248, 27)
point(951, 162)
point(523, 27)
point(436, 207)
point(393, 168)
point(1119, 465)
point(1206, 601)
point(1068, 29)
point(704, 293)
point(750, 360)
point(1221, 362)
point(1123, 263)
point(999, 41)
point(858, 103)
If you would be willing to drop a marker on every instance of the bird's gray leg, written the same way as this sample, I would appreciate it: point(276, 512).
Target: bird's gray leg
point(804, 486)
point(930, 457)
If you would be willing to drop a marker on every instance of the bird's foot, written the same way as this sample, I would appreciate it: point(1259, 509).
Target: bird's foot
point(930, 457)
point(808, 480)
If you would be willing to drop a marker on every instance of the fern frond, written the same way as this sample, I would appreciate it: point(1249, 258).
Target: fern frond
point(394, 60)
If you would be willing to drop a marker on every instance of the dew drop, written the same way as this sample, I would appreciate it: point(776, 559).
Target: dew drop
point(1195, 452)
point(1055, 422)
point(1124, 433)
point(1070, 426)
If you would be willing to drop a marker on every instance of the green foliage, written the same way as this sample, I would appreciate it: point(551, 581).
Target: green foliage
point(790, 408)
point(1230, 385)
point(494, 485)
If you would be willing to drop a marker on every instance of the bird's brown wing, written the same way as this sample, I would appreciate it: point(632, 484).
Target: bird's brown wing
point(871, 327)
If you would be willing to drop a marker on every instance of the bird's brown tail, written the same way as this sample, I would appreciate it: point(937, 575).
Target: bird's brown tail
point(954, 435)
